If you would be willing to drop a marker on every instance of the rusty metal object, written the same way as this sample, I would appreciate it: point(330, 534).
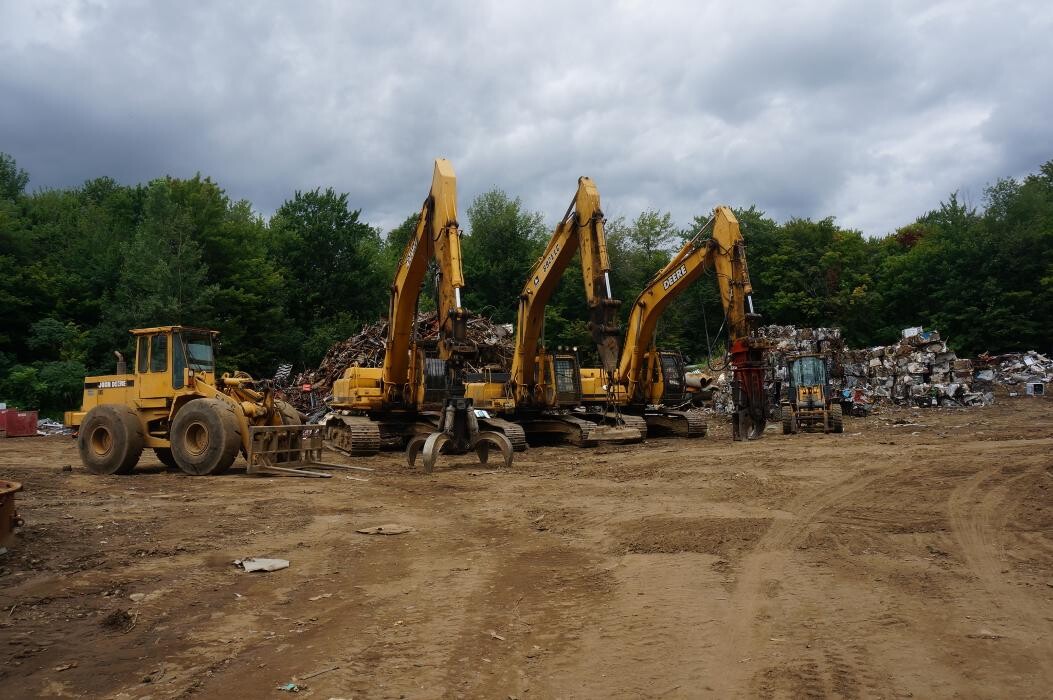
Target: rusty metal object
point(366, 349)
point(748, 359)
point(9, 519)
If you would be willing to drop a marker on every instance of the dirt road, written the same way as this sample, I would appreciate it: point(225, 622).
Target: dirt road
point(896, 560)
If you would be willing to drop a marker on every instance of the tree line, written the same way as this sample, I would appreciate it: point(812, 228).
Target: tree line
point(79, 267)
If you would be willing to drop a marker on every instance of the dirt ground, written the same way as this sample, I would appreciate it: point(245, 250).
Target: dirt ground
point(909, 559)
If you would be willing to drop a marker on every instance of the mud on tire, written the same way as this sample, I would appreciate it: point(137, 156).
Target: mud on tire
point(205, 437)
point(110, 440)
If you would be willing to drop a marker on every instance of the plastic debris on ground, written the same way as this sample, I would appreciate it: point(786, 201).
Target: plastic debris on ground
point(46, 426)
point(260, 564)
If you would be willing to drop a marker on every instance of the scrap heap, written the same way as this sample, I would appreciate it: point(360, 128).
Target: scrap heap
point(918, 369)
point(366, 349)
point(1017, 372)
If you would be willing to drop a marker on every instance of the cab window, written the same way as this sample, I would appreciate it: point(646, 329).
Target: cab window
point(142, 354)
point(159, 353)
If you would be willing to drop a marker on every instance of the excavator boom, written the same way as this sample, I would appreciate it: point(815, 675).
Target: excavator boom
point(437, 235)
point(393, 399)
point(581, 228)
point(719, 246)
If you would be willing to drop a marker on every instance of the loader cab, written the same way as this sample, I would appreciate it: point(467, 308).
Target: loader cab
point(807, 381)
point(169, 358)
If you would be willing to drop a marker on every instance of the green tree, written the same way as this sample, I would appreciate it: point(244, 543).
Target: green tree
point(13, 180)
point(502, 245)
point(162, 277)
point(333, 265)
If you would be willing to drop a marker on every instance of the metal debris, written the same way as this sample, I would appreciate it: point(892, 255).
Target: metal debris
point(919, 369)
point(366, 349)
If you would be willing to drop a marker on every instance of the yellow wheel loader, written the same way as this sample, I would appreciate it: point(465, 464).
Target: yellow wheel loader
point(173, 403)
point(808, 402)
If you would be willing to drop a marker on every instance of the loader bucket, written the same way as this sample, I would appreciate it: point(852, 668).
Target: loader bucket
point(289, 449)
point(9, 519)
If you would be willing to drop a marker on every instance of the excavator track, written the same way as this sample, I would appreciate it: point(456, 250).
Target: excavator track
point(513, 431)
point(631, 421)
point(354, 436)
point(689, 424)
point(586, 433)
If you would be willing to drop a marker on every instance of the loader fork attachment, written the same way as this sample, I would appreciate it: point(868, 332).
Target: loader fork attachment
point(294, 450)
point(458, 433)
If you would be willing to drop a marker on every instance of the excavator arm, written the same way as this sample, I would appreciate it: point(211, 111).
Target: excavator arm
point(719, 246)
point(437, 236)
point(581, 228)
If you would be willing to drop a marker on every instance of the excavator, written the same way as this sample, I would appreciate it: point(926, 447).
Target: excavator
point(542, 392)
point(649, 382)
point(415, 399)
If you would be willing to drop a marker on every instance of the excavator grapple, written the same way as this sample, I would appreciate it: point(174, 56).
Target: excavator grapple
point(458, 434)
point(417, 399)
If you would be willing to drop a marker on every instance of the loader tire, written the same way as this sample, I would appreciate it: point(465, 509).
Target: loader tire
point(787, 422)
point(205, 437)
point(110, 440)
point(836, 419)
point(164, 456)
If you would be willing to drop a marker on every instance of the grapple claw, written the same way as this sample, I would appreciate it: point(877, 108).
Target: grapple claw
point(433, 447)
point(414, 447)
point(480, 440)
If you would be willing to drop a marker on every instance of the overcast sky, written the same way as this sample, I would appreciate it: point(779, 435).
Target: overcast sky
point(870, 112)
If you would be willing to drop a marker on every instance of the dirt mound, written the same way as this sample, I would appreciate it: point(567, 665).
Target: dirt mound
point(725, 537)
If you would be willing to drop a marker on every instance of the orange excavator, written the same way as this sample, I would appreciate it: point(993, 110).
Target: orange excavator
point(650, 383)
point(542, 392)
point(412, 398)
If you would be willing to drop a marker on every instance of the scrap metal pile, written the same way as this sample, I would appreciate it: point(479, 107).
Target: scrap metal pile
point(918, 369)
point(366, 349)
point(1017, 372)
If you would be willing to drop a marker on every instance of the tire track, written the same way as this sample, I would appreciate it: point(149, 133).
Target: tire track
point(769, 560)
point(979, 510)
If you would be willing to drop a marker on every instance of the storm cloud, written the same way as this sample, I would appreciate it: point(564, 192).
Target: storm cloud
point(869, 112)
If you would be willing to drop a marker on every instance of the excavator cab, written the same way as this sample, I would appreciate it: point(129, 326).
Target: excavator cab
point(673, 380)
point(808, 401)
point(564, 374)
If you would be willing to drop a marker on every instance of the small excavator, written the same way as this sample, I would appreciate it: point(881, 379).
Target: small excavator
point(416, 400)
point(542, 392)
point(650, 383)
